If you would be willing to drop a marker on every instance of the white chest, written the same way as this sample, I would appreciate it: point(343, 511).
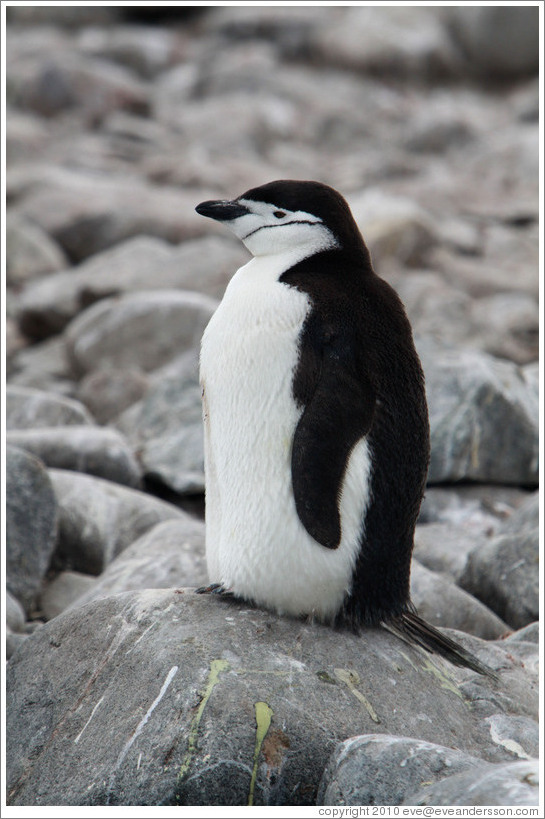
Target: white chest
point(256, 544)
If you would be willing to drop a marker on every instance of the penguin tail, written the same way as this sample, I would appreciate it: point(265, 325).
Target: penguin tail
point(413, 629)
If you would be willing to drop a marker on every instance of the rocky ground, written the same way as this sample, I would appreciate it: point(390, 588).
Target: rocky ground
point(118, 124)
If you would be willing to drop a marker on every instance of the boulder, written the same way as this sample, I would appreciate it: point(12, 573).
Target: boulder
point(52, 84)
point(355, 775)
point(15, 614)
point(28, 408)
point(144, 330)
point(62, 591)
point(139, 263)
point(169, 554)
point(442, 603)
point(166, 428)
point(504, 572)
point(44, 367)
point(98, 519)
point(94, 450)
point(107, 393)
point(233, 706)
point(31, 525)
point(30, 252)
point(483, 418)
point(497, 42)
point(396, 41)
point(512, 783)
point(87, 212)
point(444, 547)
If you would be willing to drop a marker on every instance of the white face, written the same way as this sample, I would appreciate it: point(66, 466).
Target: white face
point(268, 230)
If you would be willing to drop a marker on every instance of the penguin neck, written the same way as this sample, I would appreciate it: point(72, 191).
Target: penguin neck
point(270, 267)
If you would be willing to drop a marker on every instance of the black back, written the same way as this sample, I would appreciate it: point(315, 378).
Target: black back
point(358, 374)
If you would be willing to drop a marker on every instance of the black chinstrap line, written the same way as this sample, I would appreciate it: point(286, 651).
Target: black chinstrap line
point(287, 224)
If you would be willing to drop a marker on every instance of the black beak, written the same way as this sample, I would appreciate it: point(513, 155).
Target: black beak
point(222, 211)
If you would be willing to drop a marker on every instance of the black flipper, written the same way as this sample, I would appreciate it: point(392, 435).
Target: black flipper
point(413, 629)
point(338, 410)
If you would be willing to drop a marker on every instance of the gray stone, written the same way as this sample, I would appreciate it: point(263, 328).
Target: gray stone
point(52, 84)
point(166, 429)
point(479, 509)
point(440, 602)
point(504, 573)
point(146, 50)
point(509, 326)
point(43, 366)
point(15, 614)
point(518, 735)
point(62, 591)
point(107, 393)
point(26, 136)
point(139, 263)
point(524, 519)
point(94, 450)
point(27, 408)
point(529, 633)
point(233, 705)
point(86, 212)
point(514, 783)
point(30, 252)
point(434, 307)
point(444, 547)
point(393, 226)
point(144, 330)
point(387, 40)
point(471, 397)
point(31, 525)
point(378, 769)
point(13, 641)
point(171, 554)
point(498, 42)
point(98, 519)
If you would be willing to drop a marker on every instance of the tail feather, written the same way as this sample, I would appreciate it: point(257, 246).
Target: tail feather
point(413, 629)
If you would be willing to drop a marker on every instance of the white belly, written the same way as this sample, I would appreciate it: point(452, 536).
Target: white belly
point(255, 542)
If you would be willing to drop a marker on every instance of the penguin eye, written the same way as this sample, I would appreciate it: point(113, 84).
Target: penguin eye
point(279, 214)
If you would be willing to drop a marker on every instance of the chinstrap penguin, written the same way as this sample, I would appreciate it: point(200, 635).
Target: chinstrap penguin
point(316, 423)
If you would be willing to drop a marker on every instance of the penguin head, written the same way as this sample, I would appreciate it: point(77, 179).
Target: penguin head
point(285, 215)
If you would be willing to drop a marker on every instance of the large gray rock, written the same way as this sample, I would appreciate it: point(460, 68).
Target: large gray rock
point(94, 450)
point(15, 613)
point(107, 393)
point(86, 212)
point(139, 263)
point(442, 603)
point(30, 252)
point(483, 418)
point(476, 508)
point(54, 83)
point(504, 573)
point(62, 591)
point(355, 775)
point(144, 330)
point(498, 42)
point(444, 547)
point(233, 705)
point(512, 783)
point(166, 429)
point(167, 555)
point(44, 367)
point(98, 519)
point(31, 525)
point(28, 408)
point(387, 40)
